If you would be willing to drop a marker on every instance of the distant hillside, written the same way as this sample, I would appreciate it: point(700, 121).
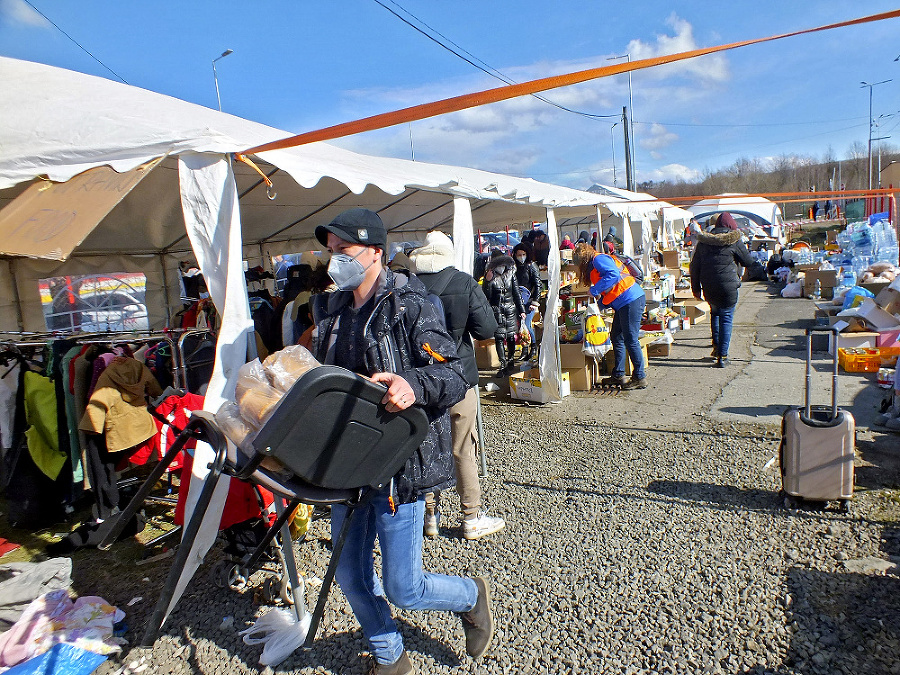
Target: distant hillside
point(783, 174)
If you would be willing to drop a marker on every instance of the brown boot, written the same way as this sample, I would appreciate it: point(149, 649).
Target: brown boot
point(402, 666)
point(478, 622)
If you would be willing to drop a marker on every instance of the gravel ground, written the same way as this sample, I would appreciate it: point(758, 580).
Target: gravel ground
point(625, 551)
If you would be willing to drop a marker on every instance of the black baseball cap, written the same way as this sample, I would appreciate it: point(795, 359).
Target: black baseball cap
point(358, 226)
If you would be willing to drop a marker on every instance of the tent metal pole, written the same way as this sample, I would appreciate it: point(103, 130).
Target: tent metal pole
point(165, 280)
point(17, 299)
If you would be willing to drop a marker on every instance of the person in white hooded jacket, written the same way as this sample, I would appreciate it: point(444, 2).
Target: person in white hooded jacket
point(467, 313)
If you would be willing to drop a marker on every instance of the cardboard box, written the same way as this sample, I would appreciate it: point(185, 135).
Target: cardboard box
point(889, 299)
point(875, 287)
point(659, 349)
point(526, 386)
point(571, 356)
point(486, 355)
point(670, 258)
point(669, 272)
point(611, 359)
point(876, 317)
point(827, 279)
point(852, 340)
point(581, 379)
point(695, 310)
point(888, 338)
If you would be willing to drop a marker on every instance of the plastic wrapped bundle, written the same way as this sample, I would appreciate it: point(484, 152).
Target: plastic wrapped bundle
point(256, 397)
point(288, 365)
point(235, 427)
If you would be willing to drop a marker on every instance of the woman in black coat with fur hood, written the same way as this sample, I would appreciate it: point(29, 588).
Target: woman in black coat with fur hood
point(715, 278)
point(502, 290)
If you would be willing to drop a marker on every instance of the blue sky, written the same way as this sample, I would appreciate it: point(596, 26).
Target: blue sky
point(302, 65)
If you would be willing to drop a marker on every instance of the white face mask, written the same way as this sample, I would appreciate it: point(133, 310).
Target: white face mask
point(521, 259)
point(346, 271)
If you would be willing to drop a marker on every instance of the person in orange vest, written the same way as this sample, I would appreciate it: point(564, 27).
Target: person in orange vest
point(613, 286)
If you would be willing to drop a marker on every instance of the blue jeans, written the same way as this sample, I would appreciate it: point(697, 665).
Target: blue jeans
point(720, 321)
point(405, 584)
point(626, 329)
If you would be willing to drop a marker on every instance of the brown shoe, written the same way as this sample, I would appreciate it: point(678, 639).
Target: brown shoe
point(478, 622)
point(402, 666)
point(635, 384)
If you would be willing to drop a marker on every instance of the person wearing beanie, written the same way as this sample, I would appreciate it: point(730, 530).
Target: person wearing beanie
point(467, 313)
point(529, 280)
point(380, 324)
point(716, 279)
point(611, 237)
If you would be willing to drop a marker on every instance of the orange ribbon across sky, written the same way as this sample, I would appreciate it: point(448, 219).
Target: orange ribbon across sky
point(457, 103)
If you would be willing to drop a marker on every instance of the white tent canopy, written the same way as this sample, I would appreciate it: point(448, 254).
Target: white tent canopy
point(759, 209)
point(178, 195)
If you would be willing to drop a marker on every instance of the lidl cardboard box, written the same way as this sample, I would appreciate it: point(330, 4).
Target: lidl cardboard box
point(571, 356)
point(486, 355)
point(527, 386)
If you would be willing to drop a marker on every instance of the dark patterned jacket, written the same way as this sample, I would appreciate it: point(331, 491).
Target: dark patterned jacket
point(403, 322)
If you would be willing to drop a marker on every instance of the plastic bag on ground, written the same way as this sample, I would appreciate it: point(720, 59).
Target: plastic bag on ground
point(280, 634)
point(792, 290)
point(61, 659)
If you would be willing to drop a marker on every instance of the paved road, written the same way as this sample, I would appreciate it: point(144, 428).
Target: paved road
point(766, 374)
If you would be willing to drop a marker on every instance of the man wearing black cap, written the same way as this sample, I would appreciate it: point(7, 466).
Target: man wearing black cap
point(381, 325)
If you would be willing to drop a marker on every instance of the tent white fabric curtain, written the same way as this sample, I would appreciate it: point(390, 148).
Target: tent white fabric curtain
point(210, 203)
point(463, 235)
point(549, 358)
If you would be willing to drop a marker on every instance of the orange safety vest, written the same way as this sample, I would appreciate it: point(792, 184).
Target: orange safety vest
point(625, 281)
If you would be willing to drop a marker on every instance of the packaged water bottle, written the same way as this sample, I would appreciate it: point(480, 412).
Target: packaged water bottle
point(817, 290)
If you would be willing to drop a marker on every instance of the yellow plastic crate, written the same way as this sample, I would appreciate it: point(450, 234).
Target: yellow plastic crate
point(866, 359)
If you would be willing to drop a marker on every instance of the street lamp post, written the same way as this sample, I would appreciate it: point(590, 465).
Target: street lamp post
point(871, 86)
point(216, 76)
point(631, 109)
point(612, 143)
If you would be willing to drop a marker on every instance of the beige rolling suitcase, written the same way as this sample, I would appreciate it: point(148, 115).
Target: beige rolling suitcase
point(817, 446)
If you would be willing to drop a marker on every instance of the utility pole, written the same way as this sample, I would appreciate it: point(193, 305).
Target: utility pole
point(871, 86)
point(629, 175)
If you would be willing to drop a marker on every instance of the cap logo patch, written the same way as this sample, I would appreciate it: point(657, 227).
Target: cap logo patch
point(362, 233)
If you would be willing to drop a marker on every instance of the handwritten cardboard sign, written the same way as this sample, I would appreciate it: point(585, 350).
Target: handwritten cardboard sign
point(48, 220)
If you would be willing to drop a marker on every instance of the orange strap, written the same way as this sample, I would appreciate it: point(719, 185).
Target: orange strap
point(270, 187)
point(433, 354)
point(457, 103)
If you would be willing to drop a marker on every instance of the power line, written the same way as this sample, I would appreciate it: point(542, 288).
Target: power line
point(469, 58)
point(767, 124)
point(52, 23)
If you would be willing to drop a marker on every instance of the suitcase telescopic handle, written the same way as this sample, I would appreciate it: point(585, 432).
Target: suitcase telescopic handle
point(834, 380)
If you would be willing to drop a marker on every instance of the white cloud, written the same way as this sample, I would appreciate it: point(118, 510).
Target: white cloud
point(709, 68)
point(659, 138)
point(19, 12)
point(674, 173)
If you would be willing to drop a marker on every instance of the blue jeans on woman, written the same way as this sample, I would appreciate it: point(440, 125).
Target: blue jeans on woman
point(405, 584)
point(720, 321)
point(624, 335)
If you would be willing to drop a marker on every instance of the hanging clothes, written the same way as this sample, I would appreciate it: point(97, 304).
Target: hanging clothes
point(43, 429)
point(176, 409)
point(117, 406)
